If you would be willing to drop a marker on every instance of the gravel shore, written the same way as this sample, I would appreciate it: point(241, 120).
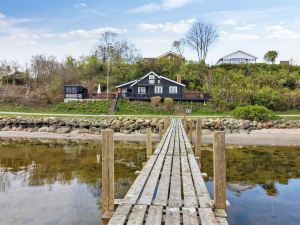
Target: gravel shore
point(265, 137)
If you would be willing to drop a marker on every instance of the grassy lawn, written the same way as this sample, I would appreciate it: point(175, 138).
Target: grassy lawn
point(125, 107)
point(87, 107)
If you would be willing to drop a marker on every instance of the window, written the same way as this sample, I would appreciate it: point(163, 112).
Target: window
point(151, 79)
point(141, 90)
point(158, 89)
point(173, 89)
point(71, 90)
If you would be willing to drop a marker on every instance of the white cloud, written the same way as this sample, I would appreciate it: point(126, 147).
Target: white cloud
point(225, 36)
point(228, 22)
point(81, 5)
point(246, 27)
point(179, 27)
point(82, 33)
point(280, 32)
point(164, 5)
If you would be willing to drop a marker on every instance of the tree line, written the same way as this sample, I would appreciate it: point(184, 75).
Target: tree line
point(114, 60)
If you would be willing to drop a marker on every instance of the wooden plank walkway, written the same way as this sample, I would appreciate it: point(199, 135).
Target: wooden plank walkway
point(170, 188)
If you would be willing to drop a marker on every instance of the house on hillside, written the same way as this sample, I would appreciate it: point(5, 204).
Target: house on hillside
point(168, 55)
point(238, 57)
point(153, 84)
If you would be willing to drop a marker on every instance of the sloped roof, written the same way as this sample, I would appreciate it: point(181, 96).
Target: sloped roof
point(170, 52)
point(134, 82)
point(130, 82)
point(239, 51)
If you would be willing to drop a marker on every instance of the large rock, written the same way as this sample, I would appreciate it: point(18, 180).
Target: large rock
point(64, 130)
point(7, 128)
point(43, 129)
point(81, 130)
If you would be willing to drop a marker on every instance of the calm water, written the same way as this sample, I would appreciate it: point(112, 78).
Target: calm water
point(51, 183)
point(263, 185)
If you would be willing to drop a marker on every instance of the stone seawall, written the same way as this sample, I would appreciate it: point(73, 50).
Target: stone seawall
point(129, 125)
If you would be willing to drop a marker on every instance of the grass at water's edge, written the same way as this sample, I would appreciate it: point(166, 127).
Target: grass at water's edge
point(124, 107)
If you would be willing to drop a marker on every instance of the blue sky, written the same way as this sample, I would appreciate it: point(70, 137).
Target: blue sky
point(65, 27)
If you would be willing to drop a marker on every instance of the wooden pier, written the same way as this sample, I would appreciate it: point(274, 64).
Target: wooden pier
point(170, 188)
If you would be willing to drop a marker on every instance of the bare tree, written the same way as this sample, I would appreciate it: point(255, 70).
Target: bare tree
point(201, 36)
point(179, 45)
point(112, 48)
point(44, 68)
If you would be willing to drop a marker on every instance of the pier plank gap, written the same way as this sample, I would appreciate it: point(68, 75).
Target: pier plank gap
point(170, 188)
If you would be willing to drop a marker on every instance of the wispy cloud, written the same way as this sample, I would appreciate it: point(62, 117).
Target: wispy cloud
point(225, 36)
point(176, 27)
point(164, 5)
point(82, 33)
point(246, 27)
point(281, 32)
point(81, 5)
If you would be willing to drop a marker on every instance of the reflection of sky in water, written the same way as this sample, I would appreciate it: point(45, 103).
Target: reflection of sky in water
point(58, 184)
point(255, 207)
point(50, 204)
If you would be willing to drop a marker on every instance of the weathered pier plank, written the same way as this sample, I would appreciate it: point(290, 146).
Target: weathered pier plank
point(170, 188)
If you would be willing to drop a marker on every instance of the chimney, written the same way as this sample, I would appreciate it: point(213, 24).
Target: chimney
point(178, 78)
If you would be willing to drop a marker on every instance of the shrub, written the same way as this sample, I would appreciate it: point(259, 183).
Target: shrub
point(169, 104)
point(155, 101)
point(253, 112)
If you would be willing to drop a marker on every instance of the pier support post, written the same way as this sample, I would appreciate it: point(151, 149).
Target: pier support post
point(148, 143)
point(219, 160)
point(190, 134)
point(185, 123)
point(160, 130)
point(198, 140)
point(108, 180)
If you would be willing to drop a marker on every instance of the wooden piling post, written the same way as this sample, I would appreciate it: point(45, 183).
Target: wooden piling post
point(160, 130)
point(198, 139)
point(148, 142)
point(219, 160)
point(108, 181)
point(191, 126)
point(185, 123)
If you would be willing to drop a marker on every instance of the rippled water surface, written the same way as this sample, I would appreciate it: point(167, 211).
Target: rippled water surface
point(57, 183)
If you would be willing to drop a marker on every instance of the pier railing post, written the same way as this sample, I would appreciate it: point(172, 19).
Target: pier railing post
point(191, 126)
point(108, 180)
point(185, 123)
point(148, 142)
point(160, 130)
point(219, 160)
point(198, 140)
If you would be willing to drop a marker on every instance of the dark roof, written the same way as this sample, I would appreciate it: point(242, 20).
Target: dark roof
point(134, 82)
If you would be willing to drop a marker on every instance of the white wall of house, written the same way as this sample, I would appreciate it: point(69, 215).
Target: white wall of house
point(238, 57)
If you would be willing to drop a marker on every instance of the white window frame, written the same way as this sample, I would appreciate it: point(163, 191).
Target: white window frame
point(173, 89)
point(141, 90)
point(151, 79)
point(158, 89)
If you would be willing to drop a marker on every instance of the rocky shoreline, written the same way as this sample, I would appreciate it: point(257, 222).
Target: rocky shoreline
point(131, 125)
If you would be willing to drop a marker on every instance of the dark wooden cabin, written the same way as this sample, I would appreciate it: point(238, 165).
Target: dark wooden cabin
point(75, 92)
point(154, 85)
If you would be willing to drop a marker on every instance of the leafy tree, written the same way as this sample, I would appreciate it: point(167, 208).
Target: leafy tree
point(271, 56)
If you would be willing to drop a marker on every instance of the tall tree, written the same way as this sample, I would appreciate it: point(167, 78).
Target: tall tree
point(271, 56)
point(112, 49)
point(201, 36)
point(179, 45)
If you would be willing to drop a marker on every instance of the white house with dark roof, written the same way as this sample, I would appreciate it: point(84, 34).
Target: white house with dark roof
point(238, 57)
